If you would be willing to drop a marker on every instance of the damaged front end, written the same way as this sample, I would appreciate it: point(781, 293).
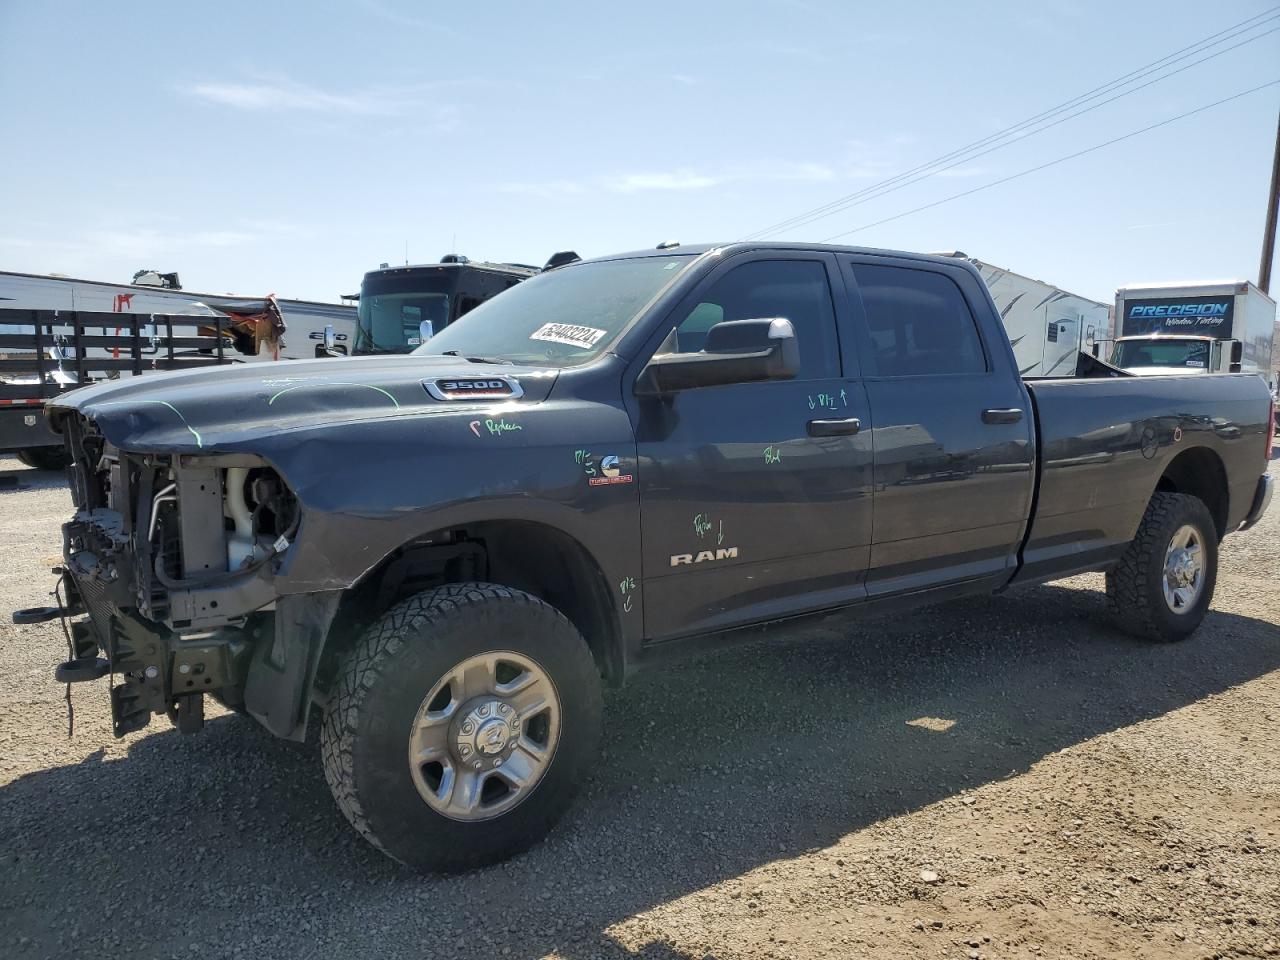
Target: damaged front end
point(167, 585)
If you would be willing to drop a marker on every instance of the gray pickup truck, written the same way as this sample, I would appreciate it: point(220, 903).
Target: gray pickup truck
point(443, 554)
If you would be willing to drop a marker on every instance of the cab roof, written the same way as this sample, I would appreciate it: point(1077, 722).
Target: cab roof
point(742, 246)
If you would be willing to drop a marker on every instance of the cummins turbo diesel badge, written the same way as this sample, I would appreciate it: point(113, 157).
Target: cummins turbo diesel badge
point(468, 388)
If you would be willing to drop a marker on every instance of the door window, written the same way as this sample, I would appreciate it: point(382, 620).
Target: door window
point(919, 321)
point(794, 289)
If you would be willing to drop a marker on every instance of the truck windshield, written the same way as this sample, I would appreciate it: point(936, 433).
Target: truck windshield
point(563, 318)
point(1161, 353)
point(393, 308)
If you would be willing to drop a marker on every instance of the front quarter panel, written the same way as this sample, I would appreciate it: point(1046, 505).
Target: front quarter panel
point(368, 488)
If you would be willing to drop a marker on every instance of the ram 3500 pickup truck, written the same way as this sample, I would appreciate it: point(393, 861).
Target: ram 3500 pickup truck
point(443, 553)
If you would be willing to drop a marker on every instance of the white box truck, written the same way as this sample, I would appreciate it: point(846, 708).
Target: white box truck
point(1047, 325)
point(1224, 326)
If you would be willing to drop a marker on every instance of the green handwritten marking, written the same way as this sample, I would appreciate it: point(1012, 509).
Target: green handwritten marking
point(333, 383)
point(164, 403)
point(811, 403)
point(701, 525)
point(501, 426)
point(626, 604)
point(720, 534)
point(584, 457)
point(627, 585)
point(772, 454)
point(844, 397)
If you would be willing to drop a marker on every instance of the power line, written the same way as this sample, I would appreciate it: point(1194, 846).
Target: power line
point(1198, 47)
point(1052, 163)
point(973, 156)
point(1245, 26)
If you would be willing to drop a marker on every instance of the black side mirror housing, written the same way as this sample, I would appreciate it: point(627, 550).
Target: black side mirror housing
point(1237, 355)
point(736, 351)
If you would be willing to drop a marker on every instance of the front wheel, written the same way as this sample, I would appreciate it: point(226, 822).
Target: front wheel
point(1162, 586)
point(461, 725)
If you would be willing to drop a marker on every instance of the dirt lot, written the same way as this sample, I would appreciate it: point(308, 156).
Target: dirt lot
point(1002, 777)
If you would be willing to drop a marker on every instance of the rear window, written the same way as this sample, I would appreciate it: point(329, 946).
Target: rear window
point(920, 323)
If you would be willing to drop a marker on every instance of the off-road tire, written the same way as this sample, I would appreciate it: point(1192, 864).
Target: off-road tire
point(1135, 595)
point(365, 735)
point(45, 458)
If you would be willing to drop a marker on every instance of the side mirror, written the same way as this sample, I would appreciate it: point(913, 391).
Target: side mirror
point(330, 339)
point(1237, 355)
point(426, 331)
point(736, 351)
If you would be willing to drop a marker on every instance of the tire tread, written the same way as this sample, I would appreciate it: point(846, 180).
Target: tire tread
point(369, 659)
point(1129, 601)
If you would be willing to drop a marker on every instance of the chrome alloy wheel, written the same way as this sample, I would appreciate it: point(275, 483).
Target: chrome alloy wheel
point(1183, 569)
point(484, 736)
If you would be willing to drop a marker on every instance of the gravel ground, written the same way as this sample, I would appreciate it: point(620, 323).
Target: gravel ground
point(1004, 777)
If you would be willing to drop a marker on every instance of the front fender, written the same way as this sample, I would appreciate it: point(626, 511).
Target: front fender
point(367, 492)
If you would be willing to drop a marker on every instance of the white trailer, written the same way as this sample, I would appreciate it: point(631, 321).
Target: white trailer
point(1047, 325)
point(304, 320)
point(1214, 326)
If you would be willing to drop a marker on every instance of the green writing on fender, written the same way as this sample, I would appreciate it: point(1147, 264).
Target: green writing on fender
point(501, 426)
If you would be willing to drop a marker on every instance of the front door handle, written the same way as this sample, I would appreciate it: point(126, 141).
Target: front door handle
point(1001, 415)
point(834, 428)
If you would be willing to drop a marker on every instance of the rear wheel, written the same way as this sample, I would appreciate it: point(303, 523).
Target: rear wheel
point(1162, 586)
point(462, 724)
point(45, 458)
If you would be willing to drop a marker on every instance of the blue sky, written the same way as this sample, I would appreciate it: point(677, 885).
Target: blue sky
point(271, 147)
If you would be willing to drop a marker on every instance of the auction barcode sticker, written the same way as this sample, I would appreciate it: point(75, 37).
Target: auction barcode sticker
point(572, 334)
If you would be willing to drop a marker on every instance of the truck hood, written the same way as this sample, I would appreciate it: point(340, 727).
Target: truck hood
point(226, 407)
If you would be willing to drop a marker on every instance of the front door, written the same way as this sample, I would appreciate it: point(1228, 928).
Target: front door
point(755, 498)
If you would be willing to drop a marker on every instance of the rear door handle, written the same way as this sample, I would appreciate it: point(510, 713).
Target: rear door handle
point(1001, 415)
point(834, 428)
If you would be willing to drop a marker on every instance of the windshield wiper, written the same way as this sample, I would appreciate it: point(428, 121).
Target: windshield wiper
point(455, 353)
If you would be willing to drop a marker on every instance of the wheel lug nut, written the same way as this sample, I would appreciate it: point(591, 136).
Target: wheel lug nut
point(498, 762)
point(478, 764)
point(504, 709)
point(484, 709)
point(467, 726)
point(466, 751)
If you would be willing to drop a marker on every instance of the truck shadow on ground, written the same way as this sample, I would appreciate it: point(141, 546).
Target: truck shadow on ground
point(714, 766)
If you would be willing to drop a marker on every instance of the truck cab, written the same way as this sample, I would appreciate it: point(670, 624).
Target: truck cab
point(1156, 354)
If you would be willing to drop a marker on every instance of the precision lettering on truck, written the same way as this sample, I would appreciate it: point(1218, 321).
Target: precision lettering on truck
point(438, 579)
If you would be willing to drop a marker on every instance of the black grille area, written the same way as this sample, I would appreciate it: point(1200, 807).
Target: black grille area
point(98, 606)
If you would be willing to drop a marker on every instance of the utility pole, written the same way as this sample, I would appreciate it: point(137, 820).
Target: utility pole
point(1269, 233)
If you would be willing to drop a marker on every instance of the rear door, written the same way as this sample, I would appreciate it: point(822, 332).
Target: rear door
point(953, 434)
point(756, 497)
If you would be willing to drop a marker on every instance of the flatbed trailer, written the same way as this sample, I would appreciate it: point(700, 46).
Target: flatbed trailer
point(45, 353)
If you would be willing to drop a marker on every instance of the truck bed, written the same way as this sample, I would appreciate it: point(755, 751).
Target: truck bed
point(1104, 442)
